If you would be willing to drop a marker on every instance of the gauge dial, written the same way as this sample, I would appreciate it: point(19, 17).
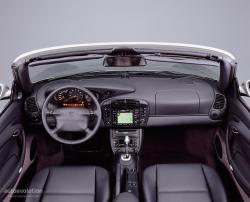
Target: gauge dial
point(75, 95)
point(88, 99)
point(61, 96)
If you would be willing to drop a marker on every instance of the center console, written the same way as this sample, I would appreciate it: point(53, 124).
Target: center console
point(125, 113)
point(118, 136)
point(126, 144)
point(126, 119)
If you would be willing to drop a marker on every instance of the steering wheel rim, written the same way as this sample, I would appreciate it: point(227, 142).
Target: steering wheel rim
point(71, 114)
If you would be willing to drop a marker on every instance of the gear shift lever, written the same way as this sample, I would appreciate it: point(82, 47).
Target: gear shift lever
point(127, 140)
point(127, 156)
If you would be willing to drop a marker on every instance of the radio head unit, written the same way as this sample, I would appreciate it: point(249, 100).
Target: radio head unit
point(125, 117)
point(125, 113)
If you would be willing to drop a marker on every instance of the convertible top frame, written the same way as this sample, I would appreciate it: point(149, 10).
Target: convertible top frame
point(227, 60)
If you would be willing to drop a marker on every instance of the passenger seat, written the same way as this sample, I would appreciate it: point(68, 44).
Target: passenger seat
point(182, 183)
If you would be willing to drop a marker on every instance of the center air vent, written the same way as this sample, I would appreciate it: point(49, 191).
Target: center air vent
point(219, 102)
point(125, 103)
point(30, 105)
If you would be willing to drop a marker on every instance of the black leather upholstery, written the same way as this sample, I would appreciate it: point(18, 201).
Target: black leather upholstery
point(126, 197)
point(74, 184)
point(182, 183)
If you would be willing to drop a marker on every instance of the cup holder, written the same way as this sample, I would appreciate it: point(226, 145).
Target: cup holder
point(218, 147)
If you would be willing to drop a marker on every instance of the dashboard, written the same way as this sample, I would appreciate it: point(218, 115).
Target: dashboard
point(137, 101)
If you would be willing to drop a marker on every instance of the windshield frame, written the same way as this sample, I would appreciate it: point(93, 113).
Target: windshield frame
point(48, 70)
point(227, 61)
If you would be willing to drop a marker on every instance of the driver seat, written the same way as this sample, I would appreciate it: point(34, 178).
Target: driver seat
point(74, 184)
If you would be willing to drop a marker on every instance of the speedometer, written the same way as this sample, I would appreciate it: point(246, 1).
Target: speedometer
point(76, 95)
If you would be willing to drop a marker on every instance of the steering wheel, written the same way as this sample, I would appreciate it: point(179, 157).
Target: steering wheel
point(71, 119)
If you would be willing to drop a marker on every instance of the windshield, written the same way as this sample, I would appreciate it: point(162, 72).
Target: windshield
point(196, 67)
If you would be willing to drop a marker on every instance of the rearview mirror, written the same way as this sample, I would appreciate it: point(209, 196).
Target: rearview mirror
point(5, 92)
point(245, 88)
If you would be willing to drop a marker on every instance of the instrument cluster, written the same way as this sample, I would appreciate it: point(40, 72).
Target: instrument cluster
point(73, 97)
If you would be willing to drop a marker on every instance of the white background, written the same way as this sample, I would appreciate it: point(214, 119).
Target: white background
point(27, 25)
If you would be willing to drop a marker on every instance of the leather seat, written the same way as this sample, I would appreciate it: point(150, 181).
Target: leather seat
point(126, 197)
point(74, 184)
point(182, 182)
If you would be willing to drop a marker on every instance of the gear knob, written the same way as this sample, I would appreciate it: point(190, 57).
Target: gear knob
point(127, 140)
point(126, 156)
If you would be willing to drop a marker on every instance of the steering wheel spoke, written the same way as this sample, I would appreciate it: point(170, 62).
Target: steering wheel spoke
point(52, 113)
point(88, 131)
point(54, 132)
point(94, 112)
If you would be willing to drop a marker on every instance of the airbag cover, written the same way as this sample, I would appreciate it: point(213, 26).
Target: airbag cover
point(177, 102)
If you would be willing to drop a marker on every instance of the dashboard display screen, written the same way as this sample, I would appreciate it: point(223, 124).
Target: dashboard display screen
point(125, 118)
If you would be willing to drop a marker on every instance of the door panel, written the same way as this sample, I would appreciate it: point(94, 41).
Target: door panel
point(238, 142)
point(12, 146)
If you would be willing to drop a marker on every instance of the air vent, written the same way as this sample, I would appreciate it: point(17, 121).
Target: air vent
point(30, 105)
point(220, 101)
point(125, 103)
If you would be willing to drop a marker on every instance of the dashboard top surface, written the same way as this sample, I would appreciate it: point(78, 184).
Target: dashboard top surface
point(170, 101)
point(159, 93)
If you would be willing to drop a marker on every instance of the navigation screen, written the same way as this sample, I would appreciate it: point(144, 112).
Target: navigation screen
point(125, 118)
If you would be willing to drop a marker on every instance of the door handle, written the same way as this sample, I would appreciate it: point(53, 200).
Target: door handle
point(16, 133)
point(235, 131)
